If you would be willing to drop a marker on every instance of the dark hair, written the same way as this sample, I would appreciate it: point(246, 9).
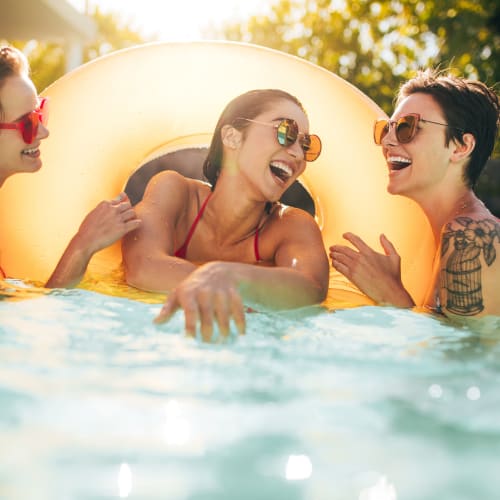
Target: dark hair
point(247, 105)
point(12, 63)
point(469, 106)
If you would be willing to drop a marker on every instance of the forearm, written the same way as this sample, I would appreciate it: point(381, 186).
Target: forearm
point(156, 273)
point(276, 287)
point(395, 295)
point(217, 291)
point(71, 266)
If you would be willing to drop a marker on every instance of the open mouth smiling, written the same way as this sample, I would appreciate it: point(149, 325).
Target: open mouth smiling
point(30, 152)
point(398, 162)
point(281, 170)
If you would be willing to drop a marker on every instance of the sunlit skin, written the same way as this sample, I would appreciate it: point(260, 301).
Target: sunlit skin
point(295, 270)
point(18, 97)
point(431, 173)
point(434, 176)
point(109, 220)
point(260, 148)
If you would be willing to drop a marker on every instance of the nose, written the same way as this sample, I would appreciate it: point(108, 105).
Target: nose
point(390, 138)
point(42, 132)
point(296, 150)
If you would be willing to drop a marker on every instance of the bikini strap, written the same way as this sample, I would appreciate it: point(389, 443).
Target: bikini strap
point(182, 250)
point(256, 237)
point(256, 245)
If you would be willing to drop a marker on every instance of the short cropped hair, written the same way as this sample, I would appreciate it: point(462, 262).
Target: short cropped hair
point(469, 106)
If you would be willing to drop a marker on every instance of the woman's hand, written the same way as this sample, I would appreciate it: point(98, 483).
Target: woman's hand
point(107, 223)
point(375, 274)
point(208, 295)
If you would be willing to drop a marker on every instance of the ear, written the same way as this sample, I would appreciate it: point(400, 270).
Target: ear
point(230, 136)
point(463, 151)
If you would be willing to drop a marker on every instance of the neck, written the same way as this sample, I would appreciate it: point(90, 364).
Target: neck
point(441, 209)
point(234, 216)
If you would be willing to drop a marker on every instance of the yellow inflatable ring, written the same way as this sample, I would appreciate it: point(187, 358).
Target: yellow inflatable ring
point(113, 114)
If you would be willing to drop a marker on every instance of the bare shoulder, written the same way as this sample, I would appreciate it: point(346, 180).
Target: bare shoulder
point(166, 181)
point(470, 265)
point(292, 226)
point(171, 188)
point(288, 217)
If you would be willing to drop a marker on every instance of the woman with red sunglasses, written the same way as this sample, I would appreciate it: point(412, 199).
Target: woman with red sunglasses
point(214, 245)
point(23, 126)
point(436, 145)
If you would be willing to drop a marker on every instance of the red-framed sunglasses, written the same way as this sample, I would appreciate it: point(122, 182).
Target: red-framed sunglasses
point(28, 124)
point(406, 127)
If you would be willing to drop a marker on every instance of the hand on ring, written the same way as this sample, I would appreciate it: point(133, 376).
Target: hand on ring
point(107, 223)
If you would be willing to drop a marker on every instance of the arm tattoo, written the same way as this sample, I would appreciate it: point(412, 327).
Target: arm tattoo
point(461, 276)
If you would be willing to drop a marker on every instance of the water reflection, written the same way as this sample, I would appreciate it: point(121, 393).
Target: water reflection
point(382, 490)
point(177, 430)
point(473, 393)
point(435, 391)
point(124, 481)
point(298, 468)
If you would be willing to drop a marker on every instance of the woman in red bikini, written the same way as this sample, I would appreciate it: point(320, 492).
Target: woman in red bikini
point(23, 120)
point(213, 246)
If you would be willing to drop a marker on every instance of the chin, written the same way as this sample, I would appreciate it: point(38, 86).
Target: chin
point(392, 188)
point(34, 167)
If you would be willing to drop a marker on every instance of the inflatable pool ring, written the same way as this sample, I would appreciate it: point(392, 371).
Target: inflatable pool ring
point(114, 114)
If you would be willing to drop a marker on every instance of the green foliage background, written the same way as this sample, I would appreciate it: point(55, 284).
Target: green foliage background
point(375, 45)
point(48, 60)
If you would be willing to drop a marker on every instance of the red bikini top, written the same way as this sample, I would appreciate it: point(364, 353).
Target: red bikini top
point(182, 250)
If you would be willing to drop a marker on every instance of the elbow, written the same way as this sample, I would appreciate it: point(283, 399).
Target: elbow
point(317, 293)
point(136, 272)
point(321, 285)
point(132, 279)
point(320, 292)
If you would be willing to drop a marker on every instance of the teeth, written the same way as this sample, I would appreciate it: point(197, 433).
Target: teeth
point(398, 159)
point(283, 167)
point(30, 151)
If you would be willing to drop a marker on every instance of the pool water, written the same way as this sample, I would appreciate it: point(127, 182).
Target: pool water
point(369, 403)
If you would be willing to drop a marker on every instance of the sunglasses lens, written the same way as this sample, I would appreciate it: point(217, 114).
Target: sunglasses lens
point(287, 132)
point(405, 128)
point(29, 127)
point(311, 144)
point(380, 130)
point(43, 110)
point(31, 123)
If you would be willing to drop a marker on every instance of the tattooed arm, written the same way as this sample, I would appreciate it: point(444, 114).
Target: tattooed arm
point(469, 269)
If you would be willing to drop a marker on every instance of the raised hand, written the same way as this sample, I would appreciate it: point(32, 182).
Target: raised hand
point(375, 274)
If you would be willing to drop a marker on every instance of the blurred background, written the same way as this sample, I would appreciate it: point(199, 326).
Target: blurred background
point(375, 45)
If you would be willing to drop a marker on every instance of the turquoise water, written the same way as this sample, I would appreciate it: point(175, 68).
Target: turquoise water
point(362, 404)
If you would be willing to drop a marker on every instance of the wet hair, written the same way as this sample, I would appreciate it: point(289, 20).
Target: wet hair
point(12, 63)
point(469, 106)
point(248, 105)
